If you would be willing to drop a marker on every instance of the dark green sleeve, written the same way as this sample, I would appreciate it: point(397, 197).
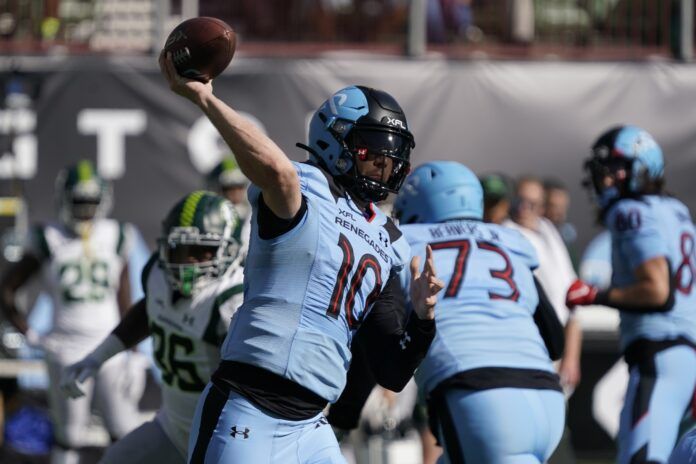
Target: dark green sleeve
point(38, 246)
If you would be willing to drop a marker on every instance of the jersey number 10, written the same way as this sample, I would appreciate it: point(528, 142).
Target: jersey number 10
point(366, 262)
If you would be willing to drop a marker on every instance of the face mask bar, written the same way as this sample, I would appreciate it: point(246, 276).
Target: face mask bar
point(188, 277)
point(366, 142)
point(598, 170)
point(85, 209)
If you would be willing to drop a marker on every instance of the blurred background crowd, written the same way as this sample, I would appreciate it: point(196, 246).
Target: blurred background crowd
point(544, 77)
point(578, 28)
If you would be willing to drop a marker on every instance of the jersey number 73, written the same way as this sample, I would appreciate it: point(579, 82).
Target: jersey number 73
point(459, 272)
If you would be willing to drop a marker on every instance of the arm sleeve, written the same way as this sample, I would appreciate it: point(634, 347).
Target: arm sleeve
point(134, 326)
point(272, 226)
point(395, 345)
point(36, 244)
point(345, 413)
point(549, 326)
point(603, 299)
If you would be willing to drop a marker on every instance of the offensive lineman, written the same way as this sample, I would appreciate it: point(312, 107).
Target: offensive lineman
point(493, 394)
point(322, 261)
point(653, 255)
point(193, 286)
point(82, 260)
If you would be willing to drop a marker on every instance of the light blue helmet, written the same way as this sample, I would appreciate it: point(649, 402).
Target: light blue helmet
point(439, 191)
point(631, 156)
point(354, 123)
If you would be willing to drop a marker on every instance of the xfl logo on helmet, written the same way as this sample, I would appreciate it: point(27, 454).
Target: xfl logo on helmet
point(394, 122)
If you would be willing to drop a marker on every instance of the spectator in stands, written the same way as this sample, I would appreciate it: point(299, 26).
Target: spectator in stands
point(437, 32)
point(497, 190)
point(556, 211)
point(450, 20)
point(555, 273)
point(50, 24)
point(521, 28)
point(555, 270)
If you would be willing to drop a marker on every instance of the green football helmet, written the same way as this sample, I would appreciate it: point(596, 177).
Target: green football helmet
point(226, 174)
point(82, 195)
point(199, 242)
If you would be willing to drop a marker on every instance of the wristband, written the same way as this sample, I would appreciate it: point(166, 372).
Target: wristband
point(111, 346)
point(602, 298)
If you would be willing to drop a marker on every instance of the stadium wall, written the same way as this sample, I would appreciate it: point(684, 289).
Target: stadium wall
point(535, 118)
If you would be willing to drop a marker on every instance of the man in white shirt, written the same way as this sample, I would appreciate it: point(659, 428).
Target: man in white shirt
point(555, 271)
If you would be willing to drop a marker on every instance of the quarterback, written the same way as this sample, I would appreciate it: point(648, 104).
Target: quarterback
point(193, 286)
point(322, 264)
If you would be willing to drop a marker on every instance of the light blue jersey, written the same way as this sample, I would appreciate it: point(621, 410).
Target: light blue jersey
point(307, 291)
point(595, 265)
point(647, 228)
point(485, 313)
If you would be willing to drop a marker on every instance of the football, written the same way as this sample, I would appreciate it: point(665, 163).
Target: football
point(201, 47)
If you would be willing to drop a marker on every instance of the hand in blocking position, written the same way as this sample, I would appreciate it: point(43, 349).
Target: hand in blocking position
point(425, 286)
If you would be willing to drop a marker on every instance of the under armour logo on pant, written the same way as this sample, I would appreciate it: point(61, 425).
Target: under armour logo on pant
point(405, 340)
point(245, 433)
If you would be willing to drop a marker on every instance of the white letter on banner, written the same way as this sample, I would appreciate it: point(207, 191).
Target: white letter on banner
point(111, 127)
point(20, 160)
point(206, 147)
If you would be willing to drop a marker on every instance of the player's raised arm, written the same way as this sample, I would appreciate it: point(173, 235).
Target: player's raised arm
point(259, 158)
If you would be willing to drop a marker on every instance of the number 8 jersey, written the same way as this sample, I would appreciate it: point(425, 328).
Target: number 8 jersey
point(308, 290)
point(82, 276)
point(647, 228)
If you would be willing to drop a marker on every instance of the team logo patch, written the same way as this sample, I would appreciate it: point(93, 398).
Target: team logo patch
point(188, 319)
point(394, 122)
point(322, 421)
point(384, 239)
point(405, 340)
point(238, 431)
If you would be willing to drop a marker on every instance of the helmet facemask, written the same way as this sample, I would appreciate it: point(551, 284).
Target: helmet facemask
point(608, 178)
point(192, 260)
point(383, 147)
point(84, 202)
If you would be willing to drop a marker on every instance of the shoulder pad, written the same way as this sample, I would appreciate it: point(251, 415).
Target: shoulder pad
point(147, 269)
point(518, 244)
point(628, 215)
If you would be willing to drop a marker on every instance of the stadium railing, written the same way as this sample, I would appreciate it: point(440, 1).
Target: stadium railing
point(576, 29)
